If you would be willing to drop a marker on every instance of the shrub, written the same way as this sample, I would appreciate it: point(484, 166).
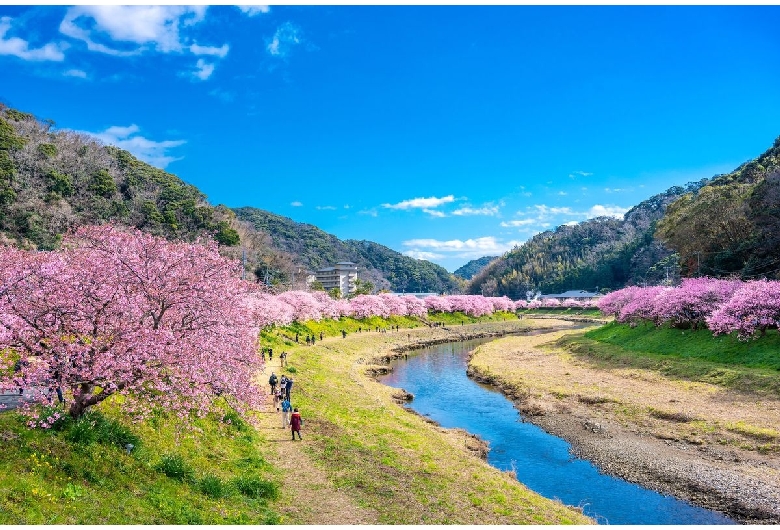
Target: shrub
point(256, 488)
point(174, 466)
point(93, 427)
point(212, 486)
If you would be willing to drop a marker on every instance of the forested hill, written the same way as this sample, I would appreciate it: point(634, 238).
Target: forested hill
point(470, 269)
point(384, 267)
point(732, 225)
point(51, 181)
point(601, 253)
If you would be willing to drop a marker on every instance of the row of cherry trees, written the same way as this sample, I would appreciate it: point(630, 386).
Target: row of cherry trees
point(169, 324)
point(723, 306)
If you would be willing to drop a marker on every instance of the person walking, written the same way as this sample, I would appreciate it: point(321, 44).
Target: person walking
point(321, 336)
point(295, 424)
point(272, 381)
point(288, 387)
point(286, 411)
point(277, 398)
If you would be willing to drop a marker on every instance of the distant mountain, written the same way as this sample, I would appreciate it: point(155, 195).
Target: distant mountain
point(601, 253)
point(314, 248)
point(471, 268)
point(731, 226)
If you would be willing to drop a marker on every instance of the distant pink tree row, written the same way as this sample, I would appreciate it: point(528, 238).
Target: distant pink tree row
point(723, 306)
point(300, 306)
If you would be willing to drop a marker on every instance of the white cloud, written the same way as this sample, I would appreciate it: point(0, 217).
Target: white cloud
point(434, 213)
point(576, 174)
point(296, 203)
point(204, 70)
point(485, 210)
point(253, 11)
point(456, 248)
point(421, 254)
point(287, 35)
point(561, 193)
point(75, 73)
point(21, 48)
point(325, 207)
point(617, 190)
point(139, 28)
point(150, 151)
point(215, 51)
point(370, 212)
point(606, 211)
point(518, 222)
point(544, 210)
point(421, 202)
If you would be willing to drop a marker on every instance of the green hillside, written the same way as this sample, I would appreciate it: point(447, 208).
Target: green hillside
point(601, 253)
point(314, 248)
point(731, 226)
point(470, 269)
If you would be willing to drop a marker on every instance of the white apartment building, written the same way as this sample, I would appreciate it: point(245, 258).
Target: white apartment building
point(343, 276)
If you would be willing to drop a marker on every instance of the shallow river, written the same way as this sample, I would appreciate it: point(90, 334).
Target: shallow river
point(437, 378)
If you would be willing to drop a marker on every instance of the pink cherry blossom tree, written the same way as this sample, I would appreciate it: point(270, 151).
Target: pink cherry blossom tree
point(754, 307)
point(122, 312)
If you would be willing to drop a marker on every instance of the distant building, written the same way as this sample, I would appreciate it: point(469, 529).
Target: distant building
point(580, 296)
point(342, 276)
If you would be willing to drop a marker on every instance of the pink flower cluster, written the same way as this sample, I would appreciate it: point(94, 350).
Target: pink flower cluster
point(723, 306)
point(122, 312)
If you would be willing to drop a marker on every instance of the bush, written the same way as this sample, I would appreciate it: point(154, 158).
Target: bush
point(93, 427)
point(174, 466)
point(256, 488)
point(212, 486)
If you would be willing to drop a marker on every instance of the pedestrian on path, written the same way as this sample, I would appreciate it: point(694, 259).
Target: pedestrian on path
point(288, 387)
point(286, 411)
point(295, 424)
point(272, 381)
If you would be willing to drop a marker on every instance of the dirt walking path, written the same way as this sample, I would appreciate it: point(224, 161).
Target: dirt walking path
point(307, 496)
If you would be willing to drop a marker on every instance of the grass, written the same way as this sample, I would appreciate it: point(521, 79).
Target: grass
point(80, 472)
point(693, 355)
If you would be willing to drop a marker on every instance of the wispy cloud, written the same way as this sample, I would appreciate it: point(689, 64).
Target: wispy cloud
point(21, 48)
point(485, 210)
point(285, 38)
point(325, 207)
point(519, 222)
point(253, 11)
point(75, 73)
point(434, 213)
point(421, 202)
point(150, 151)
point(618, 190)
point(215, 51)
point(421, 254)
point(296, 204)
point(575, 174)
point(371, 212)
point(203, 70)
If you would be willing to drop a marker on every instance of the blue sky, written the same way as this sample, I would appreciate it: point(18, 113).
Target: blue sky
point(446, 133)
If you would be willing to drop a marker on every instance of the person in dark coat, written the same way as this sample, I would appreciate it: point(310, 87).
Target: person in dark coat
point(295, 424)
point(272, 381)
point(288, 387)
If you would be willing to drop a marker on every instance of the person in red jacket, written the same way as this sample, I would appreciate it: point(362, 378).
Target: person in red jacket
point(295, 424)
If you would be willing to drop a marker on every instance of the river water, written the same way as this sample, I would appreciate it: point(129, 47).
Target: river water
point(442, 391)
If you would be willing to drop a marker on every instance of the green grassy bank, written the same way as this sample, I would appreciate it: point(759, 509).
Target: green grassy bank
point(752, 365)
point(81, 472)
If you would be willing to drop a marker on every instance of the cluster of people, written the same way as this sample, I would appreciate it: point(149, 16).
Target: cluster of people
point(290, 416)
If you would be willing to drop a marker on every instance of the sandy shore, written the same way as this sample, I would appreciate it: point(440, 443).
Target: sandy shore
point(695, 441)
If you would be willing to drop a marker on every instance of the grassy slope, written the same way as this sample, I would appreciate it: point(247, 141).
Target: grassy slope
point(61, 477)
point(393, 462)
point(724, 360)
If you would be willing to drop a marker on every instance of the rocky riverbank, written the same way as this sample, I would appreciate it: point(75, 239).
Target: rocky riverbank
point(670, 436)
